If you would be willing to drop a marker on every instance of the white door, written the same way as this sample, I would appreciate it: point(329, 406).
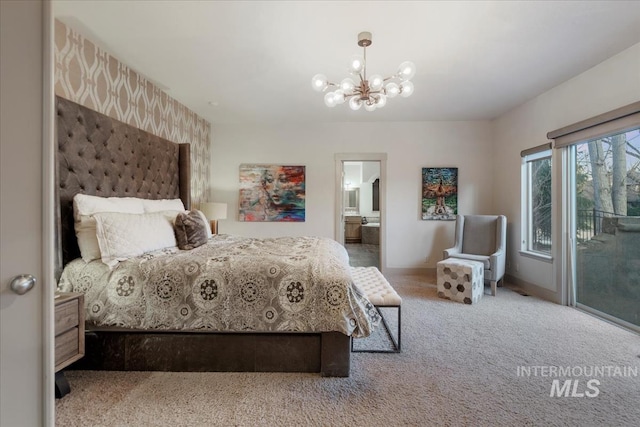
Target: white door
point(24, 401)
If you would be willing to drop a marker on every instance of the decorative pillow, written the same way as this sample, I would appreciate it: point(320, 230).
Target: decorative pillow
point(191, 230)
point(85, 206)
point(122, 235)
point(162, 205)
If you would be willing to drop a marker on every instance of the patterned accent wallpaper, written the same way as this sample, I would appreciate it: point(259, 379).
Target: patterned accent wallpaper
point(89, 76)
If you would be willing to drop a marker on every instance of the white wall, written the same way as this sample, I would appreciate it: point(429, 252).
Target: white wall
point(607, 86)
point(475, 147)
point(409, 146)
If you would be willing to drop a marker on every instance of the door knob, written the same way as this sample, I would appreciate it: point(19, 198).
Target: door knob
point(22, 284)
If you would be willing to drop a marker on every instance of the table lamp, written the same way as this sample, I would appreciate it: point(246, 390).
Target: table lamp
point(214, 211)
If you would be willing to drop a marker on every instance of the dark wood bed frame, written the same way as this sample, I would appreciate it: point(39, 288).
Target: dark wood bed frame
point(101, 156)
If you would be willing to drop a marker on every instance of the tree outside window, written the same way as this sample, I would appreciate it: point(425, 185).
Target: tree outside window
point(607, 181)
point(540, 207)
point(536, 207)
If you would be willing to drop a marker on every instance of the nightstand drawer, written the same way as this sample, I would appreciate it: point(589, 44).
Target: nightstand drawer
point(67, 345)
point(69, 328)
point(66, 316)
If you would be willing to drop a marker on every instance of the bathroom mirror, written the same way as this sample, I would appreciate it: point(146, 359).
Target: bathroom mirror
point(352, 200)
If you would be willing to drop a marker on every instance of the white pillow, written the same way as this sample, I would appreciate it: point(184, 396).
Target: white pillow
point(162, 205)
point(87, 239)
point(170, 215)
point(206, 221)
point(122, 235)
point(84, 206)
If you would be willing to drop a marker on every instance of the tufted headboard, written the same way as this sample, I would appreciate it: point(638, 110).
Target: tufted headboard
point(102, 156)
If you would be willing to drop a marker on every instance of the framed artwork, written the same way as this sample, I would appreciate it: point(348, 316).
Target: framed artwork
point(272, 193)
point(439, 193)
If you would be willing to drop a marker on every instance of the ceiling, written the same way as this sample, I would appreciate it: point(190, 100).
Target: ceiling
point(252, 62)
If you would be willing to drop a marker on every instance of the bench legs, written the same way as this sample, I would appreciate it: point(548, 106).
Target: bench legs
point(396, 344)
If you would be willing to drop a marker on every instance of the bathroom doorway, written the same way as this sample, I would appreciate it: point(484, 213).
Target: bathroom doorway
point(360, 207)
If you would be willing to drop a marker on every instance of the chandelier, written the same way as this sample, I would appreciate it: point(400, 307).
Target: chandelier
point(369, 92)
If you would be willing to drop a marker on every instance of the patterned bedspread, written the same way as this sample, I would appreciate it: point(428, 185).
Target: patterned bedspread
point(300, 284)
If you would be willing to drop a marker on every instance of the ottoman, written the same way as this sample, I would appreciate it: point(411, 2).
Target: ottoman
point(381, 294)
point(460, 280)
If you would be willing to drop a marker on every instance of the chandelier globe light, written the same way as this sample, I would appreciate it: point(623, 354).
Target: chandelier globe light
point(370, 93)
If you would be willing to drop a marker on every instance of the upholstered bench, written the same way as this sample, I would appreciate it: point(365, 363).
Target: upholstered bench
point(460, 280)
point(381, 294)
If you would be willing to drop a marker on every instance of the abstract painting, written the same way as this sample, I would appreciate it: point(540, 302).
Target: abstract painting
point(272, 193)
point(439, 193)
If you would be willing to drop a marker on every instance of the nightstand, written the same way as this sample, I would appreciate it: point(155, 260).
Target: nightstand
point(69, 335)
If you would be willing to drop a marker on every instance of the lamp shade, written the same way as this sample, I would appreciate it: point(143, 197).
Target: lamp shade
point(213, 210)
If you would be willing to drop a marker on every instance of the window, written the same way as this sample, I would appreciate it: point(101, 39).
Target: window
point(536, 200)
point(600, 209)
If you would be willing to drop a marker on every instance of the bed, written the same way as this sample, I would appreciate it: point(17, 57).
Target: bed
point(232, 304)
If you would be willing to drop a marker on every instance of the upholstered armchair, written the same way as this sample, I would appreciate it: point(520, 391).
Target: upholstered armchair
point(482, 238)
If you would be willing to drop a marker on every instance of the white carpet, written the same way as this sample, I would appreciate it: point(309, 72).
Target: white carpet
point(458, 366)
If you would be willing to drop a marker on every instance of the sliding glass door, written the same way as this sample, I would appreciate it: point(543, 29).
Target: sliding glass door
point(606, 226)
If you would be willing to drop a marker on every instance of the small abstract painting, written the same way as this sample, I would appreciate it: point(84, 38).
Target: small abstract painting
point(439, 193)
point(272, 193)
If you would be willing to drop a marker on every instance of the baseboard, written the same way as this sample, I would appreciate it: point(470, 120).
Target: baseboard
point(515, 283)
point(510, 282)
